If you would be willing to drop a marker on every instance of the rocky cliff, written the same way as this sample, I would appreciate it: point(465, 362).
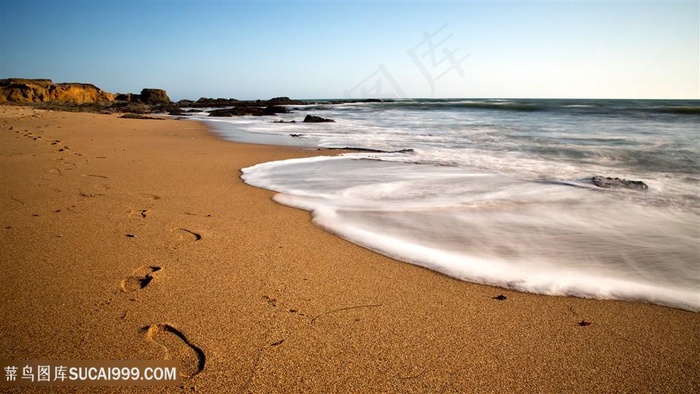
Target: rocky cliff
point(44, 90)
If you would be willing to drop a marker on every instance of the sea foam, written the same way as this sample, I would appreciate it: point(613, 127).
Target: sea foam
point(500, 191)
point(542, 237)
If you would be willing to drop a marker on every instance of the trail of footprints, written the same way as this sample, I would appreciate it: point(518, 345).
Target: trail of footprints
point(28, 134)
point(174, 342)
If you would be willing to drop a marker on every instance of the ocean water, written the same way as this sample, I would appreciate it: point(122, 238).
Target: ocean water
point(499, 191)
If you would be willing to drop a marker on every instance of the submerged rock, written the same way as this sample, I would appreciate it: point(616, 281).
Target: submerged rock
point(237, 111)
point(274, 109)
point(610, 183)
point(249, 110)
point(225, 112)
point(316, 119)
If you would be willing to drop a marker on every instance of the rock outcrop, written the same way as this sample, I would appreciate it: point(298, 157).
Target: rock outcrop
point(154, 96)
point(228, 112)
point(18, 90)
point(248, 110)
point(85, 97)
point(231, 102)
point(283, 101)
point(611, 183)
point(316, 119)
point(44, 90)
point(148, 96)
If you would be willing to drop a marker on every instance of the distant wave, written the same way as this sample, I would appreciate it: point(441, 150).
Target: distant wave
point(617, 107)
point(507, 106)
point(431, 105)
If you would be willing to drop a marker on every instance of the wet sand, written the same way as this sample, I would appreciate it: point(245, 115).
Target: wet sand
point(135, 239)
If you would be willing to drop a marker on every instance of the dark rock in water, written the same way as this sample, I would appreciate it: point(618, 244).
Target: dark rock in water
point(231, 102)
point(225, 112)
point(360, 149)
point(610, 183)
point(316, 119)
point(275, 109)
point(283, 101)
point(243, 110)
point(236, 111)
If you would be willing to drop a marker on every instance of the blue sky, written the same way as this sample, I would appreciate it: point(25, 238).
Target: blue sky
point(251, 50)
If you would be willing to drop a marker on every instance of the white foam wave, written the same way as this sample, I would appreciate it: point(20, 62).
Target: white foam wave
point(548, 238)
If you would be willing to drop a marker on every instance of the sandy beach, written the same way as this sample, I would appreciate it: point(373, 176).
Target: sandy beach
point(130, 239)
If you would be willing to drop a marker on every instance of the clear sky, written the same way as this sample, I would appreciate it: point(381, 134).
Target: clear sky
point(251, 50)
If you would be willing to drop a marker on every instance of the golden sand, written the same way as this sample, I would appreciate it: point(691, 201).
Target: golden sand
point(135, 239)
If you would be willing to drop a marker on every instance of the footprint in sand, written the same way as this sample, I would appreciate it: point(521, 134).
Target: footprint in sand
point(177, 347)
point(186, 234)
point(139, 279)
point(140, 213)
point(197, 236)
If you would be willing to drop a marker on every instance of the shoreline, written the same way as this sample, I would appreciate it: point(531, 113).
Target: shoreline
point(274, 303)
